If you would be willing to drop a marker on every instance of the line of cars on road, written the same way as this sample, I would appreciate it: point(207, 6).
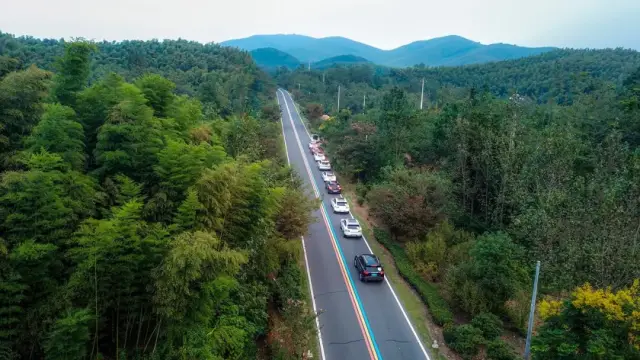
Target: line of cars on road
point(368, 265)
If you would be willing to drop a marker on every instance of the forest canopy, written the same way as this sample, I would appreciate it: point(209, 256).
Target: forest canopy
point(136, 220)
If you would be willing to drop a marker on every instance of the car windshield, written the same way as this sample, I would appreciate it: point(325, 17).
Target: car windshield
point(353, 226)
point(341, 203)
point(371, 261)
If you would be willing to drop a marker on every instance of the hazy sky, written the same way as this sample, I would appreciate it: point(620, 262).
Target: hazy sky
point(382, 23)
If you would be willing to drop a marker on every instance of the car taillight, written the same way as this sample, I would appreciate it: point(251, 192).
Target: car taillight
point(381, 273)
point(365, 273)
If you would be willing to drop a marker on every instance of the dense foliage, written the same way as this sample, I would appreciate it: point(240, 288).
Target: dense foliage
point(558, 76)
point(134, 223)
point(591, 324)
point(227, 80)
point(534, 159)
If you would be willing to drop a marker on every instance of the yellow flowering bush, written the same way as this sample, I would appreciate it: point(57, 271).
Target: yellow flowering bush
point(592, 323)
point(548, 308)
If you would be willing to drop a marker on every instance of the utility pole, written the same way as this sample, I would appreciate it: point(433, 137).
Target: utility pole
point(422, 94)
point(338, 98)
point(323, 78)
point(527, 347)
point(309, 68)
point(298, 86)
point(364, 103)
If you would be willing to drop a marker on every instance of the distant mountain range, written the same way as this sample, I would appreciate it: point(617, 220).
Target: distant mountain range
point(444, 51)
point(270, 59)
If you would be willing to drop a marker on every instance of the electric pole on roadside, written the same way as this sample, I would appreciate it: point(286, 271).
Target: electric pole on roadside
point(422, 94)
point(309, 68)
point(323, 78)
point(527, 346)
point(298, 86)
point(338, 98)
point(364, 103)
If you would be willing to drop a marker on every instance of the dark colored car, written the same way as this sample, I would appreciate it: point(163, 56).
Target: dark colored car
point(369, 267)
point(333, 187)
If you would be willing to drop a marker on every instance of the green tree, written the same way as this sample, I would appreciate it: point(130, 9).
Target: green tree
point(72, 71)
point(158, 91)
point(410, 202)
point(22, 95)
point(59, 133)
point(128, 141)
point(194, 259)
point(69, 337)
point(494, 273)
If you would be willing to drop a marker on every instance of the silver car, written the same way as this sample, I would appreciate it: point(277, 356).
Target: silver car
point(324, 165)
point(351, 228)
point(340, 205)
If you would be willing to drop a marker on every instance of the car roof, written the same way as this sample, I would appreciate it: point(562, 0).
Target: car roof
point(370, 259)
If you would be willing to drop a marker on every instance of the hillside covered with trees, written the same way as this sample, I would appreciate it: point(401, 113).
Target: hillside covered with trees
point(226, 80)
point(508, 163)
point(553, 77)
point(142, 218)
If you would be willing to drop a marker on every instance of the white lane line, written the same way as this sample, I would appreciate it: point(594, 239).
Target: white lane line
point(404, 313)
point(286, 149)
point(304, 250)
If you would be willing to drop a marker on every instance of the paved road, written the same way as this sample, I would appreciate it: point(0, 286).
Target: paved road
point(358, 320)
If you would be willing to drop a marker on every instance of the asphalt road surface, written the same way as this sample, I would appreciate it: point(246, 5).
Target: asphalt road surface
point(358, 320)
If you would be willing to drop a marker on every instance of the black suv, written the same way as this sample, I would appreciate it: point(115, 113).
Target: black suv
point(369, 267)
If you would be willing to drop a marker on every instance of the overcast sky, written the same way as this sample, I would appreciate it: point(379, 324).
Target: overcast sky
point(382, 23)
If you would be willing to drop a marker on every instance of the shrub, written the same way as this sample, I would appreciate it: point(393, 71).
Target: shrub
point(287, 285)
point(464, 339)
point(463, 292)
point(489, 324)
point(438, 307)
point(361, 192)
point(410, 202)
point(500, 350)
point(428, 257)
point(517, 309)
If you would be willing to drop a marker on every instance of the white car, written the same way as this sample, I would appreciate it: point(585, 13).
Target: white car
point(351, 228)
point(328, 176)
point(319, 157)
point(340, 205)
point(313, 144)
point(324, 165)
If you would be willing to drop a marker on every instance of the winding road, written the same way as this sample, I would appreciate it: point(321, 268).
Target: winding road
point(358, 320)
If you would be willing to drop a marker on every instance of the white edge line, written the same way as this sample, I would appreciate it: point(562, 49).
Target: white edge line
point(404, 313)
point(304, 250)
